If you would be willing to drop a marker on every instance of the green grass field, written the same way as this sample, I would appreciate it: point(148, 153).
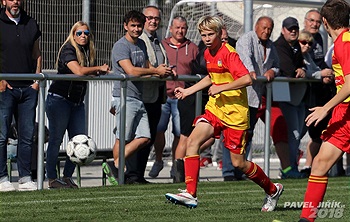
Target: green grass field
point(218, 201)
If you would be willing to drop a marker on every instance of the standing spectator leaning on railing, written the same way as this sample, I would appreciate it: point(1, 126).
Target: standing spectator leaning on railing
point(19, 53)
point(181, 54)
point(168, 109)
point(319, 93)
point(292, 66)
point(65, 108)
point(316, 97)
point(153, 95)
point(260, 57)
point(335, 17)
point(129, 57)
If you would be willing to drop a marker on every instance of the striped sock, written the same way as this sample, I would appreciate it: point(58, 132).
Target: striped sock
point(315, 191)
point(256, 174)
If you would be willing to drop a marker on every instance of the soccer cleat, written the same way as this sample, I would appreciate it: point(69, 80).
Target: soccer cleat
point(205, 162)
point(156, 168)
point(6, 186)
point(111, 172)
point(270, 202)
point(303, 220)
point(182, 198)
point(28, 186)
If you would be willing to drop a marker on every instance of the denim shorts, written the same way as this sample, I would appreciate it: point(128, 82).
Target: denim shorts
point(136, 121)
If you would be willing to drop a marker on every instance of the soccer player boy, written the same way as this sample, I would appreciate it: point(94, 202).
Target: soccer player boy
point(335, 138)
point(226, 112)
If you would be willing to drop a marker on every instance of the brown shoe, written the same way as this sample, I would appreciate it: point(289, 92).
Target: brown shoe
point(57, 184)
point(70, 182)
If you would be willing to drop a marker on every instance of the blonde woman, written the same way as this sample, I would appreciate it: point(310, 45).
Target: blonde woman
point(65, 107)
point(312, 70)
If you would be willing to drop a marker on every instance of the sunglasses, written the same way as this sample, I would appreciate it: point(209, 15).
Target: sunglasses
point(306, 42)
point(86, 32)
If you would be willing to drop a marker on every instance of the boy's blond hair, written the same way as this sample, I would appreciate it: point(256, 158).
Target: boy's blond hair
point(210, 23)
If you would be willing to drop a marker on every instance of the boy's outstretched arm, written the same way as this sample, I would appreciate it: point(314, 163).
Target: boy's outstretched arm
point(182, 93)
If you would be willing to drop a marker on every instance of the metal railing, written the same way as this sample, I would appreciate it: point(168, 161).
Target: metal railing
point(44, 77)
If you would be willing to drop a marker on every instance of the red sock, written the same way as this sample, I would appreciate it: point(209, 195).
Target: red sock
point(192, 174)
point(256, 174)
point(316, 188)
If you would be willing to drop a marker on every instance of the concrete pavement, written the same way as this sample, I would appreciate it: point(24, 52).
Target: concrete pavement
point(91, 175)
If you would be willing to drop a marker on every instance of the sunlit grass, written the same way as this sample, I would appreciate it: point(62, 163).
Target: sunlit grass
point(218, 201)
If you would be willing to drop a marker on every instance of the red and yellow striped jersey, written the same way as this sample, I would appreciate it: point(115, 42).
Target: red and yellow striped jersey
point(341, 59)
point(231, 107)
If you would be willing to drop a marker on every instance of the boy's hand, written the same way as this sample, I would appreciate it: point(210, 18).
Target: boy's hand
point(180, 93)
point(213, 90)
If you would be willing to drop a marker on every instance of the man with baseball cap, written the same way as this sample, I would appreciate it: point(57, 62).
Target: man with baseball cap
point(292, 66)
point(290, 23)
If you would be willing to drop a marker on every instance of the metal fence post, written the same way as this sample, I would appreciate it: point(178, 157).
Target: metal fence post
point(198, 110)
point(41, 134)
point(86, 11)
point(122, 124)
point(267, 128)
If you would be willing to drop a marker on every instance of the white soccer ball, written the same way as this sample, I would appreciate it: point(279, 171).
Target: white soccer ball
point(81, 150)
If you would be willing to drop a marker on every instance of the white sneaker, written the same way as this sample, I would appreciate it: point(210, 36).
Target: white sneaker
point(28, 186)
point(183, 198)
point(156, 168)
point(270, 202)
point(6, 186)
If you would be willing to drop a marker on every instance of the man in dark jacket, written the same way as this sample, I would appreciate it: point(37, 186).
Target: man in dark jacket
point(19, 53)
point(292, 65)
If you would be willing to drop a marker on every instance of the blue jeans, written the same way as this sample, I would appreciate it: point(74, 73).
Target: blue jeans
point(169, 108)
point(20, 103)
point(295, 118)
point(62, 115)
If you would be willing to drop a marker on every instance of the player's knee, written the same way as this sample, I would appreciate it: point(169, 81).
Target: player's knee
point(192, 144)
point(238, 163)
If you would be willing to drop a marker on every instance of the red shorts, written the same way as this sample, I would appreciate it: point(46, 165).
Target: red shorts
point(338, 129)
point(234, 140)
point(278, 126)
